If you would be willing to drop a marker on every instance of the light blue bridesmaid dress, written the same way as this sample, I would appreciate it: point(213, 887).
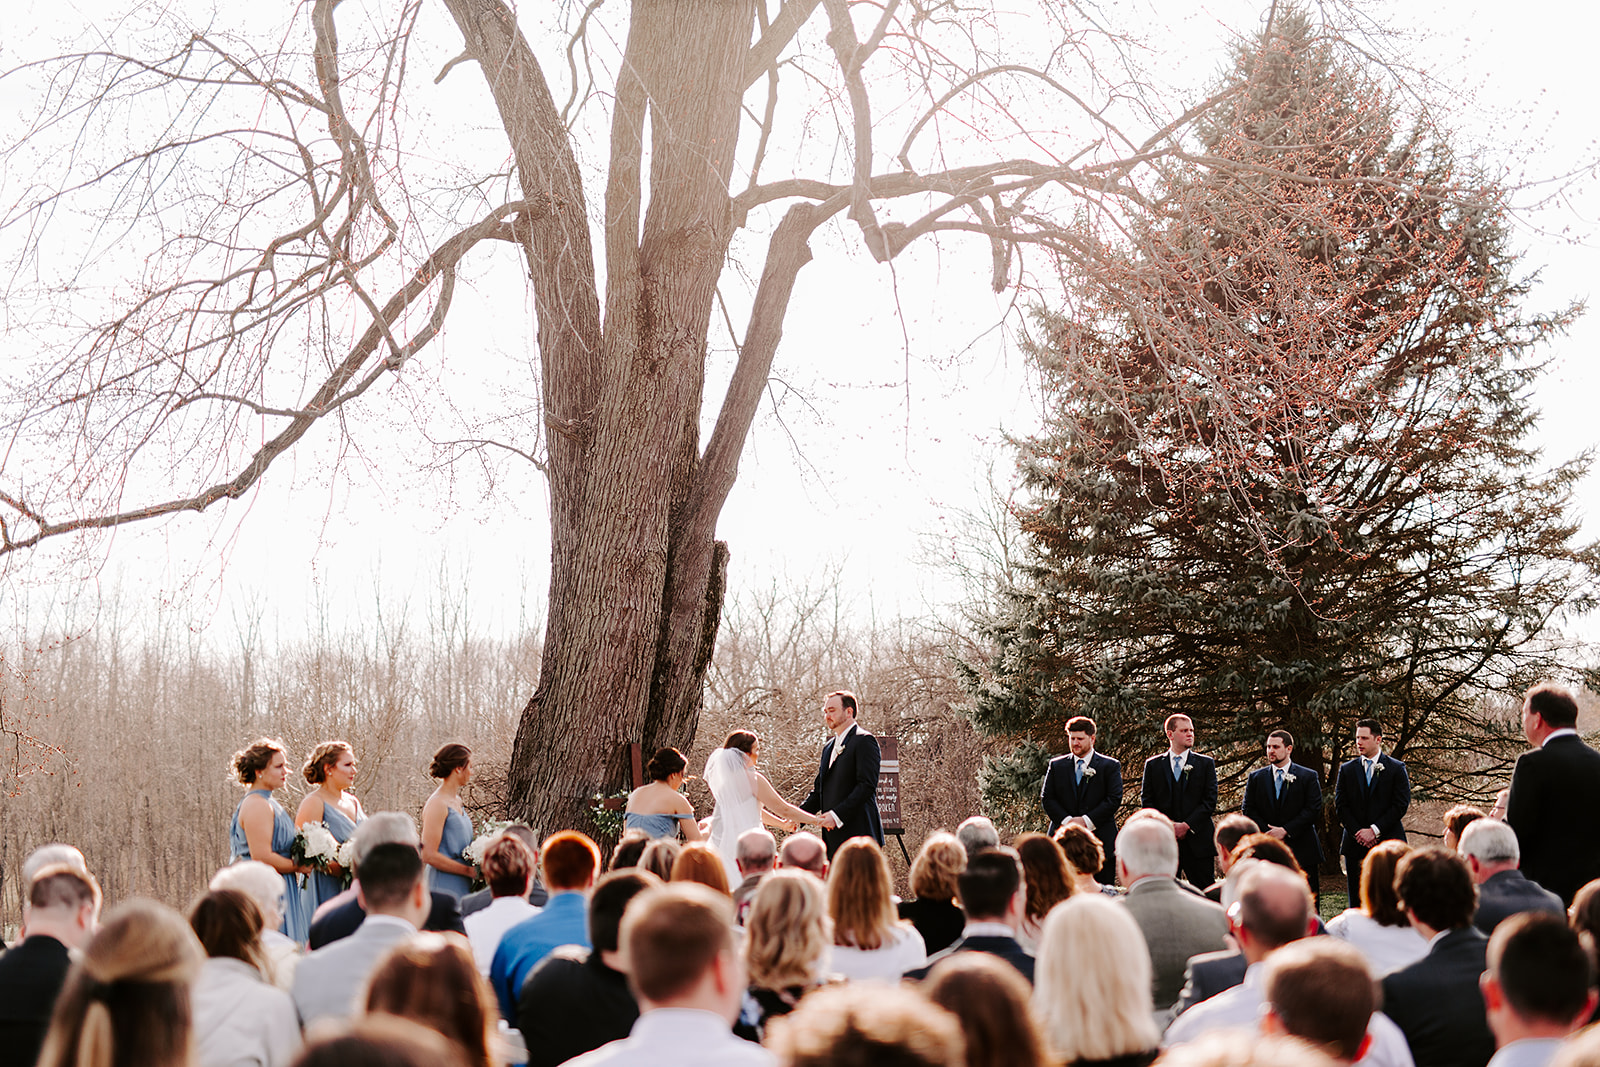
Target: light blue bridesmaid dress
point(322, 888)
point(453, 840)
point(656, 825)
point(296, 912)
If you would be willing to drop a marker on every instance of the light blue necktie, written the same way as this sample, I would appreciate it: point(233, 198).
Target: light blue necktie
point(1369, 771)
point(1278, 788)
point(1078, 779)
point(1177, 767)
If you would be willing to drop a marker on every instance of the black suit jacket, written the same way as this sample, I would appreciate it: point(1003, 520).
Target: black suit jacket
point(1209, 974)
point(1509, 893)
point(1297, 810)
point(1098, 797)
point(1555, 809)
point(342, 920)
point(31, 976)
point(1193, 800)
point(849, 789)
point(572, 1003)
point(1436, 1001)
point(1382, 804)
point(1006, 948)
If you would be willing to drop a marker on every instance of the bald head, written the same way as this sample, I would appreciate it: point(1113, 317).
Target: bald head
point(1274, 910)
point(805, 852)
point(757, 850)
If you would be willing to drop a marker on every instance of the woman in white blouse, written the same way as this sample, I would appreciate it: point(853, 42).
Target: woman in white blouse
point(1378, 928)
point(240, 1019)
point(869, 940)
point(508, 868)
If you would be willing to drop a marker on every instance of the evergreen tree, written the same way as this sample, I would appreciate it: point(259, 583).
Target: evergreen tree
point(1285, 479)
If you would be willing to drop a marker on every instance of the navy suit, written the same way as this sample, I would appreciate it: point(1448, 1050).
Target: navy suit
point(1297, 811)
point(1438, 1004)
point(1005, 947)
point(1208, 974)
point(849, 789)
point(1192, 800)
point(1510, 893)
point(1361, 806)
point(1098, 796)
point(1555, 809)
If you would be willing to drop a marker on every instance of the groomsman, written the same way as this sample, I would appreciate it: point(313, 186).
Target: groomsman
point(1371, 796)
point(1085, 788)
point(1181, 784)
point(1555, 795)
point(1285, 799)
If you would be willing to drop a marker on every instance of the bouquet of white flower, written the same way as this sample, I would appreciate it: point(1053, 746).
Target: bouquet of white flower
point(472, 855)
point(347, 861)
point(314, 846)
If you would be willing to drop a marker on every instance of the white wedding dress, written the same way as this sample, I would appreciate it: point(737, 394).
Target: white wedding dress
point(733, 786)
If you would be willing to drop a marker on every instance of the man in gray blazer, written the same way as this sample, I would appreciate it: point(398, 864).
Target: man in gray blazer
point(1176, 923)
point(392, 890)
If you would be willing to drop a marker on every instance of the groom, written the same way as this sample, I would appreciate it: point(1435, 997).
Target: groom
point(846, 791)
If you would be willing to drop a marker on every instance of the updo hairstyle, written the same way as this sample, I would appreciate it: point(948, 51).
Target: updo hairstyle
point(665, 763)
point(252, 760)
point(322, 757)
point(743, 740)
point(448, 758)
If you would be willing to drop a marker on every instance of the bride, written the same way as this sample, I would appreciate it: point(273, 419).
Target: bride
point(745, 799)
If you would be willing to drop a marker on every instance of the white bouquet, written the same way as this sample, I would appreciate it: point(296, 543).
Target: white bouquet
point(315, 846)
point(347, 855)
point(472, 855)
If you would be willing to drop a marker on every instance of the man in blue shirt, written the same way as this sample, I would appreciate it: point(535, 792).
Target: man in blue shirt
point(570, 862)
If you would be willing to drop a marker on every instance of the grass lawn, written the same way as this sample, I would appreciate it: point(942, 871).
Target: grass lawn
point(1332, 902)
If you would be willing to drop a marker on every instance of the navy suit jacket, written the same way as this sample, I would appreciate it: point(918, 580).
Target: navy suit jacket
point(1209, 974)
point(1298, 810)
point(1437, 1002)
point(1005, 947)
point(341, 920)
point(1555, 809)
point(1510, 893)
point(1193, 800)
point(1098, 797)
point(1382, 804)
point(849, 789)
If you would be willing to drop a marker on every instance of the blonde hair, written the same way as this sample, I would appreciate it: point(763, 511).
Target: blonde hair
point(1091, 988)
point(128, 1000)
point(861, 895)
point(939, 862)
point(787, 931)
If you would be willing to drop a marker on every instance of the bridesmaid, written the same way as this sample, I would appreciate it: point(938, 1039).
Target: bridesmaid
point(446, 828)
point(659, 807)
point(332, 769)
point(263, 831)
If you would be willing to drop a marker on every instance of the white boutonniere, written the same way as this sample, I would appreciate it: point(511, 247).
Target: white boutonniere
point(1088, 772)
point(1186, 770)
point(1287, 777)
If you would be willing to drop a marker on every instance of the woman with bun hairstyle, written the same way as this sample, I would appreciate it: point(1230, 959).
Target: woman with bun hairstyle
point(446, 827)
point(127, 1000)
point(659, 807)
point(263, 831)
point(332, 769)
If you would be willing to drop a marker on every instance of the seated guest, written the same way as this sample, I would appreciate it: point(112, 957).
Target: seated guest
point(1087, 856)
point(894, 1027)
point(1240, 1048)
point(933, 882)
point(630, 846)
point(1584, 918)
point(381, 1041)
point(1492, 854)
point(1231, 829)
point(659, 856)
point(977, 834)
point(993, 897)
point(1049, 882)
point(869, 940)
point(394, 899)
point(990, 999)
point(340, 917)
point(1092, 986)
point(479, 899)
point(1436, 1000)
point(63, 907)
point(755, 854)
point(240, 1020)
point(127, 1000)
point(1176, 923)
point(433, 980)
point(1379, 929)
point(578, 1000)
point(570, 862)
point(1210, 973)
point(1458, 819)
point(508, 868)
point(1322, 990)
point(264, 886)
point(698, 863)
point(805, 851)
point(787, 937)
point(687, 977)
point(52, 855)
point(1538, 990)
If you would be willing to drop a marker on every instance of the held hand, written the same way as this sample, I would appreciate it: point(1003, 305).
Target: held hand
point(1181, 829)
point(1277, 832)
point(790, 826)
point(828, 822)
point(1365, 837)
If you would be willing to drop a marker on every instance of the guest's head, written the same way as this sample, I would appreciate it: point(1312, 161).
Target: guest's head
point(659, 856)
point(667, 766)
point(1092, 982)
point(52, 855)
point(990, 889)
point(570, 861)
point(894, 1027)
point(1241, 1048)
point(1146, 849)
point(1267, 848)
point(260, 883)
point(861, 895)
point(698, 863)
point(1489, 847)
point(1539, 981)
point(127, 1000)
point(939, 862)
point(610, 898)
point(1458, 819)
point(1082, 849)
point(508, 866)
point(990, 999)
point(380, 1041)
point(335, 757)
point(1159, 816)
point(629, 848)
point(1322, 991)
point(1584, 916)
point(1547, 707)
point(1273, 909)
point(264, 763)
point(63, 903)
point(678, 941)
point(804, 851)
point(1378, 897)
point(756, 852)
point(431, 979)
point(1230, 830)
point(977, 833)
point(454, 758)
point(1045, 872)
point(787, 932)
point(228, 924)
point(391, 883)
point(382, 828)
point(1435, 889)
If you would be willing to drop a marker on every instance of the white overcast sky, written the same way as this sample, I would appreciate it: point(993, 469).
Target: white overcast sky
point(908, 387)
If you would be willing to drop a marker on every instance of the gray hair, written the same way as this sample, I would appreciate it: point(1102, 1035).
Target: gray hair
point(384, 828)
point(257, 881)
point(757, 850)
point(1146, 847)
point(1491, 841)
point(977, 833)
point(49, 856)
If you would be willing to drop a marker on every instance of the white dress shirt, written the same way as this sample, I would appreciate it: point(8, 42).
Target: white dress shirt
point(678, 1037)
point(487, 926)
point(239, 1019)
point(902, 950)
point(1387, 948)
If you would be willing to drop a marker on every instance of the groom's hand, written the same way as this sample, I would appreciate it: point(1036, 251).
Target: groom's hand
point(829, 821)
